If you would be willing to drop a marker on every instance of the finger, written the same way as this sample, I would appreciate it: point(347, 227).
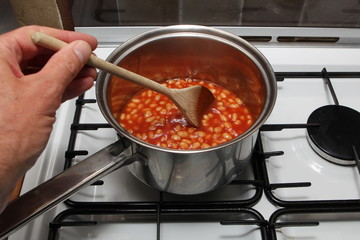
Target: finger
point(36, 64)
point(87, 71)
point(18, 47)
point(83, 82)
point(23, 47)
point(63, 67)
point(77, 87)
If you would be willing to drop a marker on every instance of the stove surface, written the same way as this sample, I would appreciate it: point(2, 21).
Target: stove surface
point(288, 161)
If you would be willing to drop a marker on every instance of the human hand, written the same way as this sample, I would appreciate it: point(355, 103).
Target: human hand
point(33, 83)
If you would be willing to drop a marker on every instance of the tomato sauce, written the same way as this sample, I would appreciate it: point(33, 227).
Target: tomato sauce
point(153, 118)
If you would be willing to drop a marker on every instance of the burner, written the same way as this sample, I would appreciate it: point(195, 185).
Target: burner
point(338, 135)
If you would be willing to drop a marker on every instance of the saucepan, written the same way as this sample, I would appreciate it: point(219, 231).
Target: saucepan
point(181, 51)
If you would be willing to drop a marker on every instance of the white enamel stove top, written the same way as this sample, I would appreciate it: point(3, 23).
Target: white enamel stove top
point(297, 98)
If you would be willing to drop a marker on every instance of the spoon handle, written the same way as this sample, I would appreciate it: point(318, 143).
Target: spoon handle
point(55, 44)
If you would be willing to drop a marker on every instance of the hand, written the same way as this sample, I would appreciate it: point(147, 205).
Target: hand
point(33, 83)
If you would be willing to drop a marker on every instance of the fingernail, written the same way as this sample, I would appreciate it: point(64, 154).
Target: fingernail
point(82, 51)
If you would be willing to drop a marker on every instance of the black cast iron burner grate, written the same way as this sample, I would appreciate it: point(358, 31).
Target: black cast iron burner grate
point(71, 153)
point(269, 186)
point(225, 212)
point(155, 214)
point(299, 223)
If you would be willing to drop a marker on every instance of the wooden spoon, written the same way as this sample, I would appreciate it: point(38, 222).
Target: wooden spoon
point(191, 101)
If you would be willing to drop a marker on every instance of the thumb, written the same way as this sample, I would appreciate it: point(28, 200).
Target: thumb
point(64, 65)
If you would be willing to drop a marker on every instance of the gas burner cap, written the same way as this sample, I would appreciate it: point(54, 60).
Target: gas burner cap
point(337, 134)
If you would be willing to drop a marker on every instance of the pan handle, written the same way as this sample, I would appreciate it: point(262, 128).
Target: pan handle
point(45, 196)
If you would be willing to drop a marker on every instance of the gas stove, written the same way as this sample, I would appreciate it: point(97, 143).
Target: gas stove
point(288, 190)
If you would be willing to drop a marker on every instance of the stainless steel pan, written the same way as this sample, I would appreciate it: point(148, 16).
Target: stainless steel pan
point(168, 52)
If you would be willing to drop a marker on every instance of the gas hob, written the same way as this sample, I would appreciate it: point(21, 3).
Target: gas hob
point(288, 191)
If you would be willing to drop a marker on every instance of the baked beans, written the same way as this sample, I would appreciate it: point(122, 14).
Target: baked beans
point(153, 118)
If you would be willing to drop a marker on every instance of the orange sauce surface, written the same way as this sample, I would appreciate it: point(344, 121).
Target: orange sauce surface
point(153, 118)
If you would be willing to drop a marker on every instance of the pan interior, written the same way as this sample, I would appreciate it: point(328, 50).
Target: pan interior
point(191, 57)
